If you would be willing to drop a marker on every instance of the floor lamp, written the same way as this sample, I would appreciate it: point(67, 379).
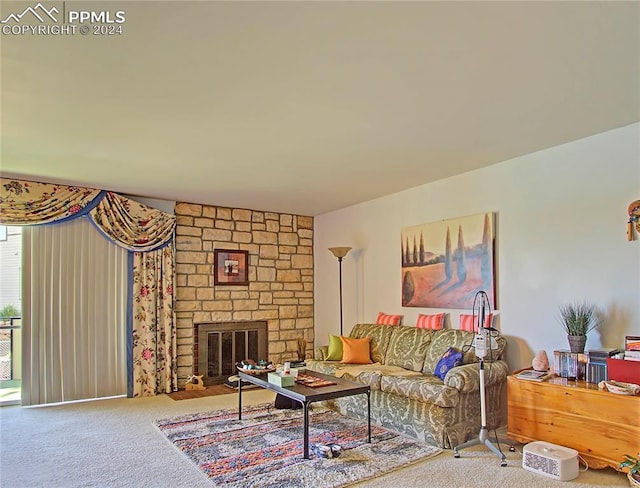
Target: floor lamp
point(340, 252)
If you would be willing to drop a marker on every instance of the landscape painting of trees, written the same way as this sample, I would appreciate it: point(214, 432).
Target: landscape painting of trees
point(444, 264)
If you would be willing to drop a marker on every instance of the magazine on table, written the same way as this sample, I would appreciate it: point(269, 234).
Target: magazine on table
point(533, 375)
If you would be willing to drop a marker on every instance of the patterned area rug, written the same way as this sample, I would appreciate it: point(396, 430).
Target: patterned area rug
point(265, 448)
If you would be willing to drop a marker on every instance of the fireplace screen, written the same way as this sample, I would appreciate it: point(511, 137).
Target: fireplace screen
point(221, 345)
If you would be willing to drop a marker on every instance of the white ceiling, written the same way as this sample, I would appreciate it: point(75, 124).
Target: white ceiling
point(307, 107)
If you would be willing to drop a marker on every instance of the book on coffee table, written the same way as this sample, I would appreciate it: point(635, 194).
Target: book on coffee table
point(313, 381)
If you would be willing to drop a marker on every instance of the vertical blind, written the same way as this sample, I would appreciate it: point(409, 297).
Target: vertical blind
point(74, 318)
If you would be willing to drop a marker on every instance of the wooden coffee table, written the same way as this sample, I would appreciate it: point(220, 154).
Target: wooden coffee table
point(306, 396)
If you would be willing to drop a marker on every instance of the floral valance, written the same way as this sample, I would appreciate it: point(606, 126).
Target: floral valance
point(131, 224)
point(28, 203)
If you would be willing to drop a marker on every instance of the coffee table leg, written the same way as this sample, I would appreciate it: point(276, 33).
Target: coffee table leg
point(239, 399)
point(305, 408)
point(369, 415)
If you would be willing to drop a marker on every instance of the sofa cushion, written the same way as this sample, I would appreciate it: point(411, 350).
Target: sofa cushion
point(425, 388)
point(467, 322)
point(408, 347)
point(443, 340)
point(325, 367)
point(449, 360)
point(355, 351)
point(461, 340)
point(335, 348)
point(370, 378)
point(386, 319)
point(435, 321)
point(496, 354)
point(379, 334)
point(466, 378)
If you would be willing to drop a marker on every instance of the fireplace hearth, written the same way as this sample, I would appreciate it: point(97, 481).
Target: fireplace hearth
point(218, 346)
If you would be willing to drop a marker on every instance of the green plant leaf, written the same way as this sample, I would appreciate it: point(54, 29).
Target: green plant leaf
point(578, 319)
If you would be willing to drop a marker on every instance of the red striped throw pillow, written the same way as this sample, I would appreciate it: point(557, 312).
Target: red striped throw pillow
point(435, 321)
point(385, 319)
point(467, 323)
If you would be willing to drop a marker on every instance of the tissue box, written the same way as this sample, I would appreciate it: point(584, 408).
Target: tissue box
point(281, 379)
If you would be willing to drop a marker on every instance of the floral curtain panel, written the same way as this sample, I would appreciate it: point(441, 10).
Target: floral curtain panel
point(29, 203)
point(147, 233)
point(154, 334)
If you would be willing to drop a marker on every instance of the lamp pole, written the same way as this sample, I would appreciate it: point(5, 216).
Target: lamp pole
point(340, 267)
point(340, 252)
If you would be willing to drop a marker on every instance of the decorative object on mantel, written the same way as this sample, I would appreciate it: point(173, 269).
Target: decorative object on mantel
point(578, 319)
point(634, 220)
point(340, 252)
point(540, 361)
point(302, 349)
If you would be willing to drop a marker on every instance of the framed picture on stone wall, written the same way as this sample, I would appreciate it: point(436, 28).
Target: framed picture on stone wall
point(231, 267)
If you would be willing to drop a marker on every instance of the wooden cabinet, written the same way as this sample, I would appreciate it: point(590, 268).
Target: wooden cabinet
point(600, 425)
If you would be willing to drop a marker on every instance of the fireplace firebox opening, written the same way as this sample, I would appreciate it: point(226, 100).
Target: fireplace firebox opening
point(218, 346)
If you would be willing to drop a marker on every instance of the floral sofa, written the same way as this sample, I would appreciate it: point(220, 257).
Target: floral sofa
point(407, 397)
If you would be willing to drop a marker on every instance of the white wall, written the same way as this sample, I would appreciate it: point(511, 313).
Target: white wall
point(561, 218)
point(167, 206)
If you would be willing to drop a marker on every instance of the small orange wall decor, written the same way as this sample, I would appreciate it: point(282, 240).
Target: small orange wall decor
point(444, 264)
point(634, 220)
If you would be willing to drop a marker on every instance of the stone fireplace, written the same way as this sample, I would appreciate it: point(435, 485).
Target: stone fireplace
point(279, 293)
point(218, 346)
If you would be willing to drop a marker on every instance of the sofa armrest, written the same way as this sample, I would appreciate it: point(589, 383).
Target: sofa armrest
point(321, 353)
point(467, 377)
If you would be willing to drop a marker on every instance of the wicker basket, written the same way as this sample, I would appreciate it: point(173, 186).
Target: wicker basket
point(633, 481)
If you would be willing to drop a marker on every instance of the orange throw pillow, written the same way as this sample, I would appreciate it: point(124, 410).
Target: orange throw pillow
point(355, 351)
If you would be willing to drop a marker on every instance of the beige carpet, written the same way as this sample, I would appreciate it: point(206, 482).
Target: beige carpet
point(113, 443)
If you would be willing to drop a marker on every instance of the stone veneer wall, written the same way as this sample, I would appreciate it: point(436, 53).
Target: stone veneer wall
point(280, 288)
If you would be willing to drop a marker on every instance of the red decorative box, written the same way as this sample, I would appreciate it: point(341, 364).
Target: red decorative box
point(623, 370)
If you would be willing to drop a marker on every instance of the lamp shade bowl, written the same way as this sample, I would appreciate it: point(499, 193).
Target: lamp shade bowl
point(340, 252)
